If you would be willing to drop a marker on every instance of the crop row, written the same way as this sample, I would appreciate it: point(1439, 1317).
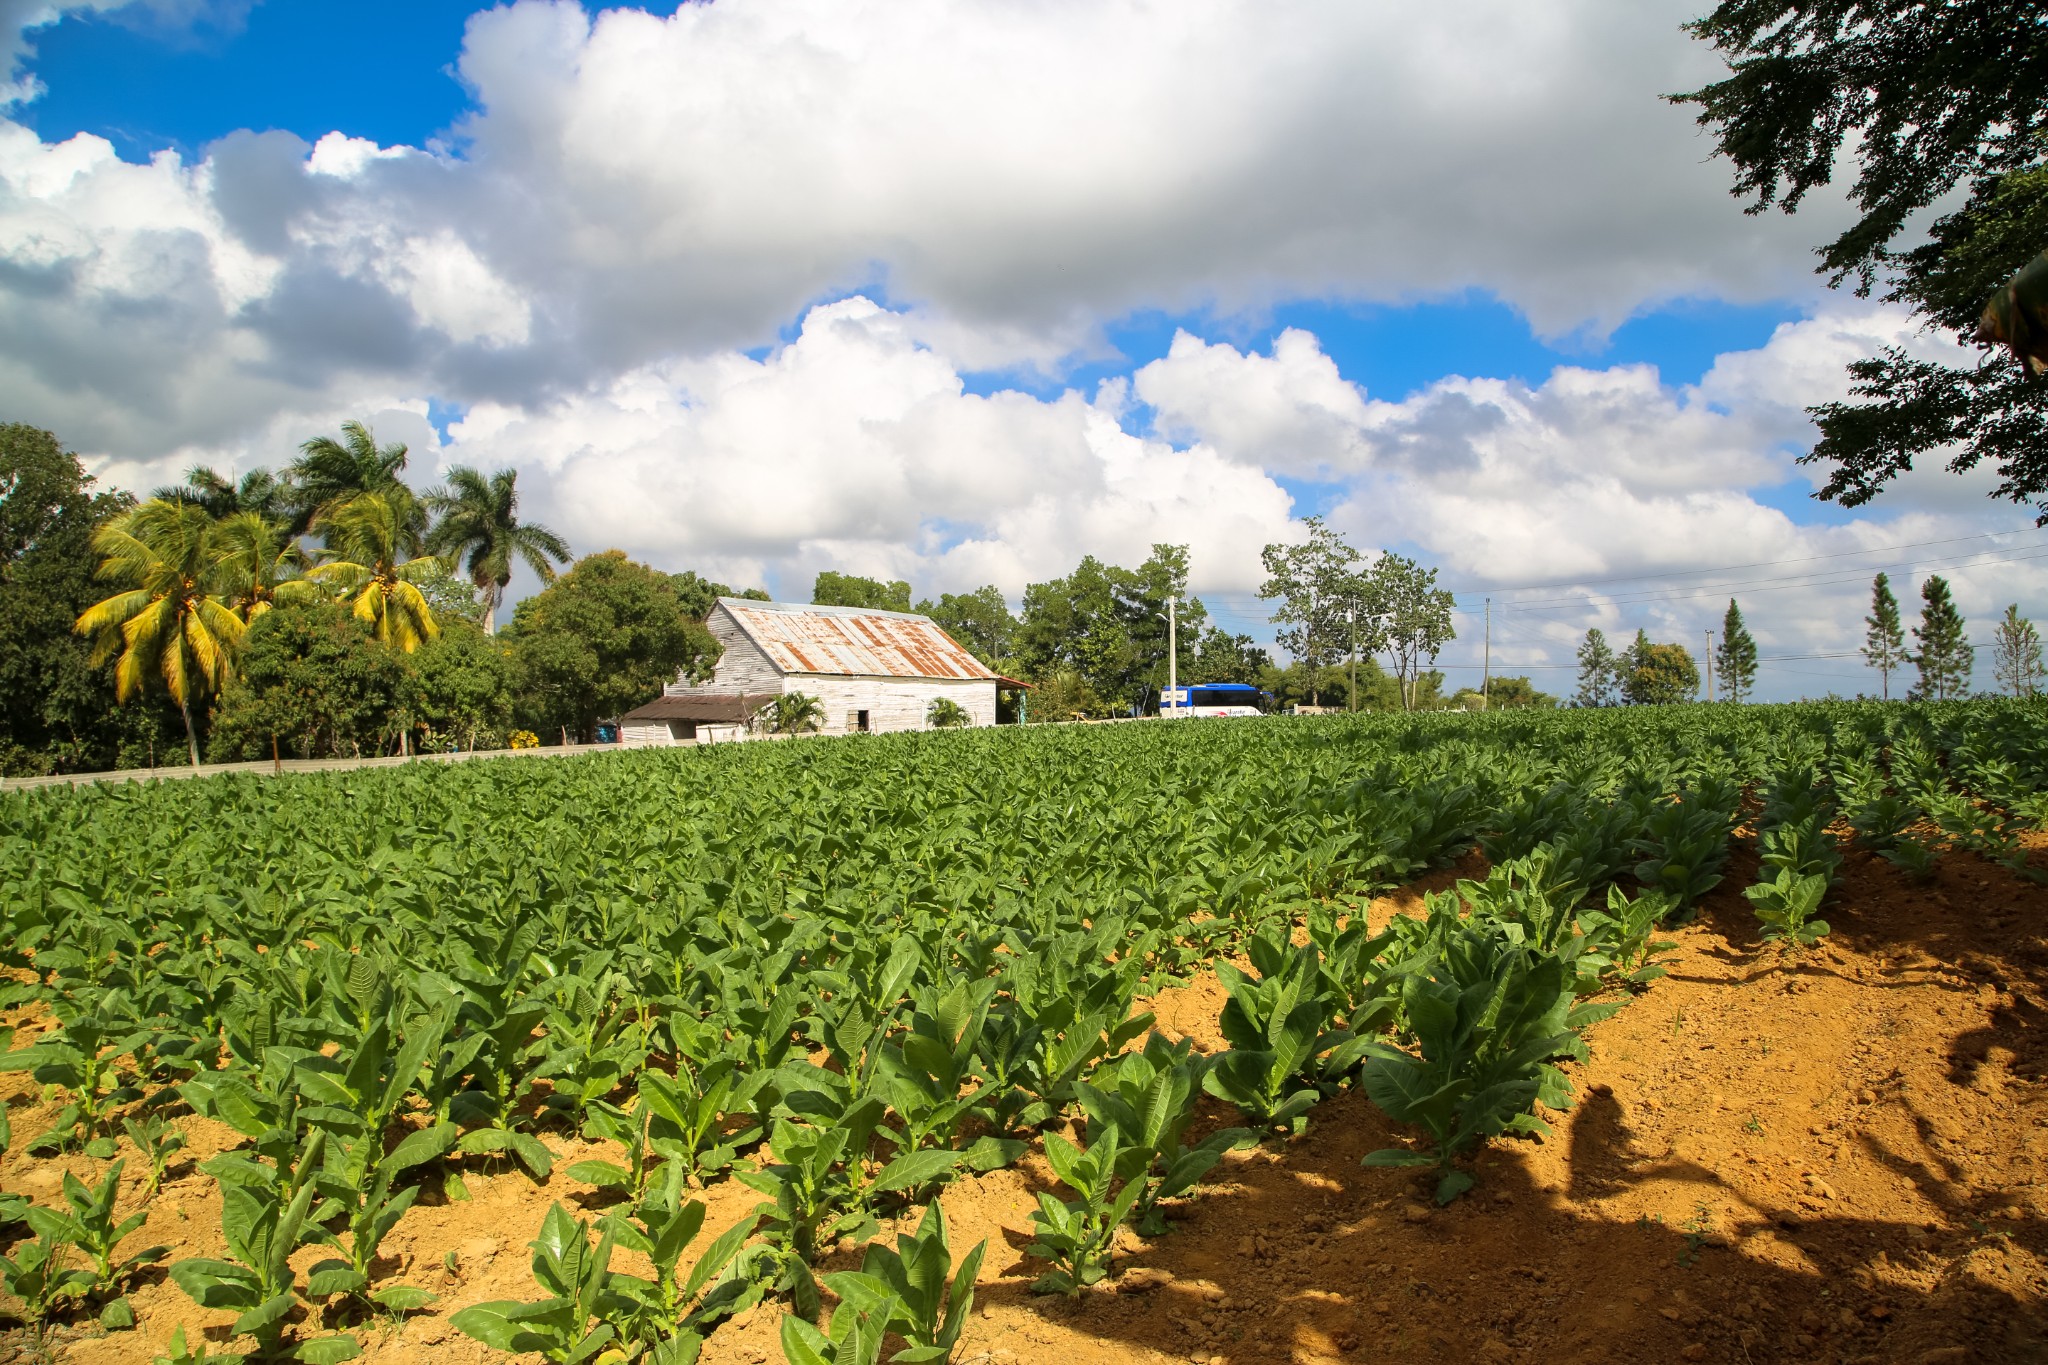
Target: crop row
point(845, 973)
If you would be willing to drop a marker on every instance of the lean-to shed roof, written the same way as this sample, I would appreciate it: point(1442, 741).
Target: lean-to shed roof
point(852, 641)
point(705, 706)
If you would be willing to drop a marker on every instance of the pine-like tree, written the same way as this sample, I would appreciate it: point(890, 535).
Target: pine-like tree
point(1884, 642)
point(1945, 656)
point(1735, 656)
point(1598, 672)
point(2017, 653)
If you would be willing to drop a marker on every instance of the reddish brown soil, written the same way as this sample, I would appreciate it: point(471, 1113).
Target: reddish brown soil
point(1834, 1156)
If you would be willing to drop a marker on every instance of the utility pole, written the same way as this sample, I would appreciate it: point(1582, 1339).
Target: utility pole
point(1710, 665)
point(1486, 660)
point(1351, 630)
point(1173, 648)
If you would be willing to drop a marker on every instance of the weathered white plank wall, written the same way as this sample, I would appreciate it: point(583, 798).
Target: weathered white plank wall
point(891, 703)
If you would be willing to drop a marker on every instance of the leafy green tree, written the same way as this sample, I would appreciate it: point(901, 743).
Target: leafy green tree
point(1599, 672)
point(1223, 657)
point(1884, 637)
point(169, 619)
point(1944, 656)
point(367, 536)
point(699, 595)
point(1108, 625)
point(849, 590)
point(601, 639)
point(1658, 675)
point(946, 714)
point(329, 473)
point(1735, 656)
point(58, 712)
point(1064, 695)
point(1516, 694)
point(314, 682)
point(479, 528)
point(1931, 104)
point(463, 688)
point(1411, 617)
point(1319, 597)
point(450, 596)
point(2017, 653)
point(980, 621)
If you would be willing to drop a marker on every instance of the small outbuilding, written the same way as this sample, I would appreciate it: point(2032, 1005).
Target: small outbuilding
point(871, 671)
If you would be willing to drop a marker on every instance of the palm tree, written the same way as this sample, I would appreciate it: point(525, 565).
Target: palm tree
point(330, 472)
point(792, 713)
point(168, 618)
point(260, 563)
point(367, 537)
point(260, 491)
point(479, 525)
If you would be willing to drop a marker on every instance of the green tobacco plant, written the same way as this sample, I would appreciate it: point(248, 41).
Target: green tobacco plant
point(668, 1315)
point(159, 1141)
point(567, 1327)
point(89, 1225)
point(35, 1276)
point(1488, 1020)
point(1148, 1097)
point(1278, 1026)
point(854, 1337)
point(687, 1111)
point(1075, 1237)
point(1787, 905)
point(925, 1298)
point(265, 1216)
point(1622, 942)
point(82, 1058)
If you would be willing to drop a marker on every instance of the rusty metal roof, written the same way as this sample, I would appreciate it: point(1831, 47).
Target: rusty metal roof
point(852, 641)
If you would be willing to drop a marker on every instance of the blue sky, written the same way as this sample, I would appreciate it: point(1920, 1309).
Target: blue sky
point(762, 289)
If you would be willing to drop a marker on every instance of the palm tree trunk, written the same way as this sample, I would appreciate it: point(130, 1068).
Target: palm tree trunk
point(191, 742)
point(492, 591)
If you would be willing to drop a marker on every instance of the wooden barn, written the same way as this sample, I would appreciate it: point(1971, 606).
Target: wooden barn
point(872, 671)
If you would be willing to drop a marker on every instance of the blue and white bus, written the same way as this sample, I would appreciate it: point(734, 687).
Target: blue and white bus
point(1209, 700)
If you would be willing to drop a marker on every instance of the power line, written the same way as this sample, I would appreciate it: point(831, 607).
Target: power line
point(1752, 587)
point(1730, 568)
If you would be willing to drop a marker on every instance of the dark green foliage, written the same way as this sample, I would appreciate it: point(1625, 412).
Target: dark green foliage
point(698, 594)
point(1735, 656)
point(850, 590)
point(600, 640)
point(980, 621)
point(462, 690)
point(1599, 672)
point(313, 679)
point(1884, 638)
point(1943, 653)
point(1107, 626)
point(1931, 100)
point(57, 712)
point(1657, 675)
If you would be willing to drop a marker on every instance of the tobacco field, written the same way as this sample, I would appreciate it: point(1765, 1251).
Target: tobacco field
point(1067, 1043)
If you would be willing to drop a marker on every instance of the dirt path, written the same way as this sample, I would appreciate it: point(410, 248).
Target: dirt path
point(1834, 1157)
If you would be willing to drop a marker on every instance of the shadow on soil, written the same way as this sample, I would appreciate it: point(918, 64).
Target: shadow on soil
point(1306, 1256)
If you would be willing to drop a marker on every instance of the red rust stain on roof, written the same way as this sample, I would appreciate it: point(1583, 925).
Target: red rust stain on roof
point(822, 641)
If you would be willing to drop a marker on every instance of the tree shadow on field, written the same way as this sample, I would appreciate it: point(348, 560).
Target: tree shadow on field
point(1603, 1244)
point(1312, 1258)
